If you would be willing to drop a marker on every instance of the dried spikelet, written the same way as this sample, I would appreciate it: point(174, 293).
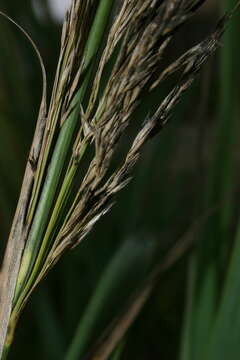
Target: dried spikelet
point(138, 37)
point(138, 63)
point(148, 32)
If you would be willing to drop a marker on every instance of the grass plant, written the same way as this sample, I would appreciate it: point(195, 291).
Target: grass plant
point(111, 59)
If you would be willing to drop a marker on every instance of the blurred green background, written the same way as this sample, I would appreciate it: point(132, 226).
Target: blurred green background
point(190, 169)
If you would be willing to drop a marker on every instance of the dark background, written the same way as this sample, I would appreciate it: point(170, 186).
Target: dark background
point(190, 167)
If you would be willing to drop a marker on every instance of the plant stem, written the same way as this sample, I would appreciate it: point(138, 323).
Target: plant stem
point(56, 166)
point(61, 150)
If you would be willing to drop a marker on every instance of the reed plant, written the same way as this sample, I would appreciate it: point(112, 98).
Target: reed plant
point(111, 59)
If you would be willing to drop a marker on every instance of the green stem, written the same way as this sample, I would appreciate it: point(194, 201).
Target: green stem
point(48, 238)
point(61, 150)
point(222, 176)
point(9, 338)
